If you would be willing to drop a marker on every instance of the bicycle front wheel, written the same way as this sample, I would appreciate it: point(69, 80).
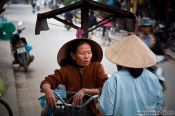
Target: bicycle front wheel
point(5, 109)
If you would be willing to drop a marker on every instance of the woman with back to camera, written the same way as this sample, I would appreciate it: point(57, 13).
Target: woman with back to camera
point(133, 90)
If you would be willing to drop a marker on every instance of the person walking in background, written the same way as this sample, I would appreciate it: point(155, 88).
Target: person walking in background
point(92, 19)
point(80, 72)
point(106, 28)
point(105, 33)
point(133, 90)
point(68, 17)
point(145, 31)
point(33, 6)
point(146, 34)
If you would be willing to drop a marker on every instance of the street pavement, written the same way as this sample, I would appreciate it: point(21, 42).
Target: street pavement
point(16, 101)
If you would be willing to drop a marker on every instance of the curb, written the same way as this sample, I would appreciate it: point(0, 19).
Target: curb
point(6, 67)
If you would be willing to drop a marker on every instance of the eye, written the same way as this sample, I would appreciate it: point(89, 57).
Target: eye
point(89, 52)
point(82, 53)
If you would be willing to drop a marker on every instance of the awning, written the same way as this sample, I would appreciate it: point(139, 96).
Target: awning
point(85, 6)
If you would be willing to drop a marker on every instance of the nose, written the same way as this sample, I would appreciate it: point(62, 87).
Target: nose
point(86, 55)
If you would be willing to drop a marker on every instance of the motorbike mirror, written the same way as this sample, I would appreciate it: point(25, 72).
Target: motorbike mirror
point(19, 23)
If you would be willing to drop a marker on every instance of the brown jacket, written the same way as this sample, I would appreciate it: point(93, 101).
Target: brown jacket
point(93, 76)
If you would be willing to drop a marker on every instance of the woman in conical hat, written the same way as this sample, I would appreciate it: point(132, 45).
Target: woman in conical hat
point(133, 89)
point(80, 72)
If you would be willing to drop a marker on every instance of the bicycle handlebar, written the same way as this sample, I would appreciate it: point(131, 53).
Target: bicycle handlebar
point(70, 105)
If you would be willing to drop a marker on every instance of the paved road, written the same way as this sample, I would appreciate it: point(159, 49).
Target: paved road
point(45, 48)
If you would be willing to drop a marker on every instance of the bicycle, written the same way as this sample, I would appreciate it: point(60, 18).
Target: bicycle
point(64, 108)
point(5, 109)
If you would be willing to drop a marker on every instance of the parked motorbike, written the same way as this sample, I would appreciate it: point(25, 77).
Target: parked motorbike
point(21, 50)
point(38, 3)
point(37, 7)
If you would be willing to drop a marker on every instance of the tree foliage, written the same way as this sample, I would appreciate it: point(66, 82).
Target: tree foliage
point(67, 2)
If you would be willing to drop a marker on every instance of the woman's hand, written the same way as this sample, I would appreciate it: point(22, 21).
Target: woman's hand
point(50, 98)
point(77, 99)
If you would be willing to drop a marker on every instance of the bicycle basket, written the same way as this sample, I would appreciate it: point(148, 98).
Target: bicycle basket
point(72, 112)
point(65, 109)
point(60, 91)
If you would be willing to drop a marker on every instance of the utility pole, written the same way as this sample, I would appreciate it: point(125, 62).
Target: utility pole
point(84, 20)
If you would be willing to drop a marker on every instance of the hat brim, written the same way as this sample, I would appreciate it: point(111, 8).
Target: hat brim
point(95, 47)
point(131, 52)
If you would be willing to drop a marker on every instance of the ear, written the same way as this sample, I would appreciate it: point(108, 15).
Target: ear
point(72, 55)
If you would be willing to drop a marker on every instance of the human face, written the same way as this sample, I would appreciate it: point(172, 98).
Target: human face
point(83, 55)
point(146, 29)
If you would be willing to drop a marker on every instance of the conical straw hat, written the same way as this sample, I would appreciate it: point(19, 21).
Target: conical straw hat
point(131, 52)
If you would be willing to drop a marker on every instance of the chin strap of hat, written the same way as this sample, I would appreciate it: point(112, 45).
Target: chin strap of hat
point(80, 33)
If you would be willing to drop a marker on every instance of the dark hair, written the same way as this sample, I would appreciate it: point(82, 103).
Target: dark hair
point(135, 72)
point(119, 67)
point(72, 49)
point(91, 12)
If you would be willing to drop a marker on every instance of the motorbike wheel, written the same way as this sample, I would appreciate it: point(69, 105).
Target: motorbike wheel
point(25, 66)
point(172, 45)
point(24, 61)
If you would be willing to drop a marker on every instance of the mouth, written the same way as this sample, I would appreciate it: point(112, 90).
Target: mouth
point(86, 62)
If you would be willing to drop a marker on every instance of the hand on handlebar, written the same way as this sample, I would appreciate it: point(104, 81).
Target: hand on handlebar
point(77, 99)
point(50, 98)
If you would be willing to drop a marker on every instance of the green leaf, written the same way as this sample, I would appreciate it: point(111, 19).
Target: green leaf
point(2, 87)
